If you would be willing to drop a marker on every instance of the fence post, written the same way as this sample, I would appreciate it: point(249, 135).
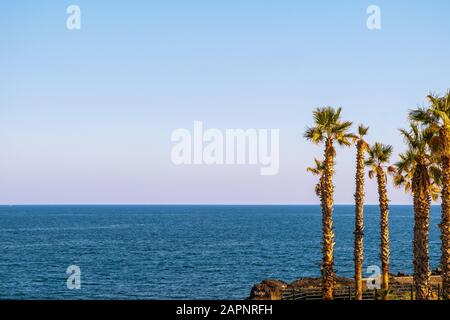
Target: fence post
point(293, 293)
point(412, 292)
point(349, 293)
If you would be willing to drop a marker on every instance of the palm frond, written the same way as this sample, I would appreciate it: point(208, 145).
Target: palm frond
point(421, 115)
point(362, 130)
point(314, 134)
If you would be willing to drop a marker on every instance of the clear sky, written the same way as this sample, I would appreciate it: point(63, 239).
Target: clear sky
point(86, 115)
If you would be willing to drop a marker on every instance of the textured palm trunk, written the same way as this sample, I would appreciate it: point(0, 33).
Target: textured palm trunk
point(445, 221)
point(328, 277)
point(384, 228)
point(359, 216)
point(422, 202)
point(322, 192)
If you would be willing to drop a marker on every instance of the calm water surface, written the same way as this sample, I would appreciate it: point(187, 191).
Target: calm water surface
point(182, 252)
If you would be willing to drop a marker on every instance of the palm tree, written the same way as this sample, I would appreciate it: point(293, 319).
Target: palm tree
point(437, 117)
point(361, 148)
point(378, 158)
point(328, 128)
point(318, 170)
point(419, 174)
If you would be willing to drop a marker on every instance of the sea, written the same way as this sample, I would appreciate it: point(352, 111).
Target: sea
point(183, 251)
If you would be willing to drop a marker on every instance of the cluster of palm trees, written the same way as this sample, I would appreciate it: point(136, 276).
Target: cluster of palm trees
point(423, 170)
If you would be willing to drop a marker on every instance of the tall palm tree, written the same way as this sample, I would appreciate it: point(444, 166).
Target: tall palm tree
point(361, 148)
point(328, 128)
point(419, 174)
point(378, 159)
point(437, 117)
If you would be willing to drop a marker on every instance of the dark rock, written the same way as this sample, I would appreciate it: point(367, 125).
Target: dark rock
point(268, 290)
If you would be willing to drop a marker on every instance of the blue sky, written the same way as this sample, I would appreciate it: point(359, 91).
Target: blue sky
point(86, 115)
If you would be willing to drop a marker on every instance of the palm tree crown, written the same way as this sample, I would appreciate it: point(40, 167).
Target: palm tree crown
point(378, 157)
point(361, 143)
point(362, 131)
point(328, 126)
point(418, 153)
point(318, 170)
point(435, 118)
point(437, 113)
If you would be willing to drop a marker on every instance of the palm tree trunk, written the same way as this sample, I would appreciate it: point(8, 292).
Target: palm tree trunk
point(445, 221)
point(328, 277)
point(384, 227)
point(422, 202)
point(359, 216)
point(322, 193)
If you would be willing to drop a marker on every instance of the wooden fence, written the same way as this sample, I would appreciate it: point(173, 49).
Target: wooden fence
point(397, 291)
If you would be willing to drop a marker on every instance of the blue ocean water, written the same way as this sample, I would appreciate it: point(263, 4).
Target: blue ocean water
point(182, 252)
